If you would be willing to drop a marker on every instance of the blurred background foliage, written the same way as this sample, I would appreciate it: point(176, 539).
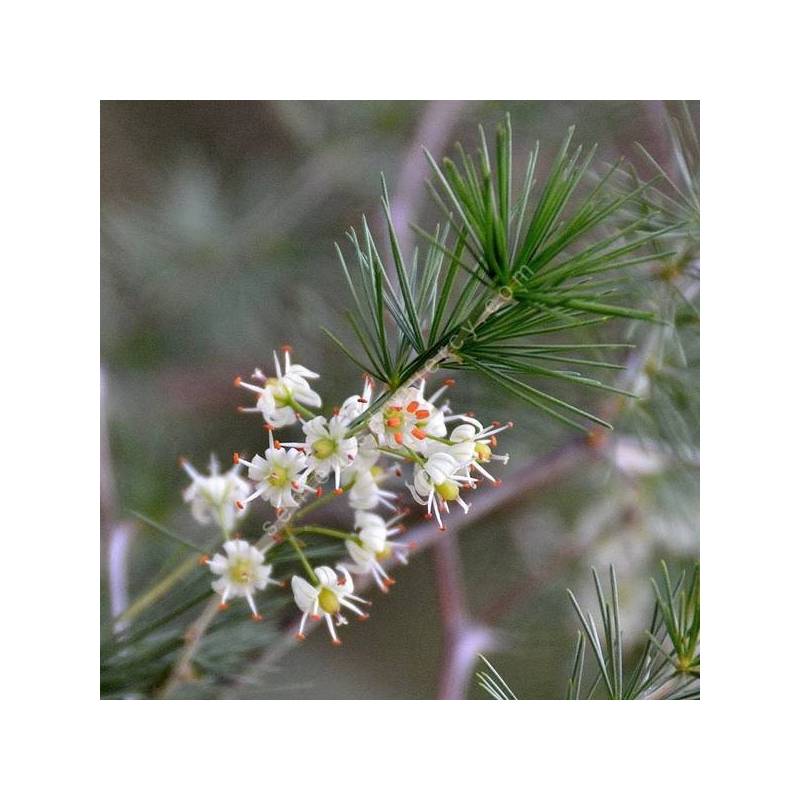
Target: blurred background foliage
point(218, 223)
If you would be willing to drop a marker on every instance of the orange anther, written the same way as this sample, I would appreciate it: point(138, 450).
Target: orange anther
point(300, 637)
point(286, 348)
point(203, 559)
point(392, 422)
point(239, 505)
point(277, 444)
point(316, 617)
point(319, 491)
point(256, 617)
point(237, 380)
point(442, 528)
point(336, 642)
point(422, 414)
point(418, 434)
point(412, 406)
point(235, 458)
point(338, 491)
point(222, 606)
point(398, 437)
point(449, 381)
point(390, 581)
point(363, 617)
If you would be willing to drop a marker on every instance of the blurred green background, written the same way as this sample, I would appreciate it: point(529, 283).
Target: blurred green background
point(218, 223)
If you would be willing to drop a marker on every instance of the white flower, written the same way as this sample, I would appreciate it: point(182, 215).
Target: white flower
point(242, 572)
point(365, 493)
point(408, 419)
point(279, 476)
point(356, 404)
point(373, 547)
point(437, 476)
point(328, 447)
point(472, 445)
point(281, 397)
point(326, 599)
point(215, 496)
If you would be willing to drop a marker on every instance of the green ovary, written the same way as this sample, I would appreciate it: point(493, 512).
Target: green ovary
point(281, 399)
point(323, 448)
point(483, 452)
point(241, 571)
point(385, 553)
point(328, 601)
point(278, 477)
point(448, 490)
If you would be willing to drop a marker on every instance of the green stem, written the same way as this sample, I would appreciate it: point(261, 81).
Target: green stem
point(300, 409)
point(309, 571)
point(325, 532)
point(156, 592)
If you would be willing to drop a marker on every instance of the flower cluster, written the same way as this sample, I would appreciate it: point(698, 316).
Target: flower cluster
point(445, 454)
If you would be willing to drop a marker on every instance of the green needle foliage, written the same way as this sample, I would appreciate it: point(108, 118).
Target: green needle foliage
point(506, 275)
point(669, 666)
point(667, 669)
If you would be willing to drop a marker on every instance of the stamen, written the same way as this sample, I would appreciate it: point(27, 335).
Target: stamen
point(412, 406)
point(418, 434)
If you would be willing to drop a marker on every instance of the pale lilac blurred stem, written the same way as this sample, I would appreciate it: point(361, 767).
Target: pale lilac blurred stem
point(463, 639)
